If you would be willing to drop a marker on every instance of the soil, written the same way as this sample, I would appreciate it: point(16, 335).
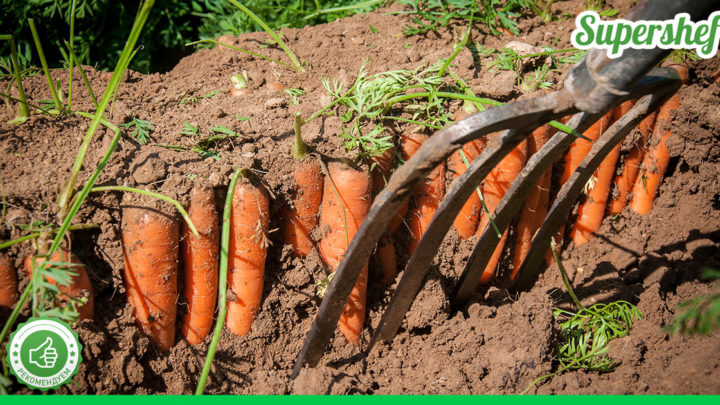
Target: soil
point(496, 344)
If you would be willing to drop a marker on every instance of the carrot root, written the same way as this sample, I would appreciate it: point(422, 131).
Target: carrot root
point(150, 242)
point(200, 261)
point(249, 227)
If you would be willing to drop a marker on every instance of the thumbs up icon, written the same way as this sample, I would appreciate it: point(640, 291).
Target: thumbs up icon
point(44, 356)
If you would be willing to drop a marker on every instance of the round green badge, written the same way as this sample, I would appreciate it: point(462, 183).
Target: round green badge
point(44, 353)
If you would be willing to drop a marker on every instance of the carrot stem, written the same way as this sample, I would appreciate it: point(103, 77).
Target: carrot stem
point(257, 55)
point(37, 234)
point(299, 148)
point(177, 205)
point(23, 113)
point(43, 62)
point(459, 47)
point(563, 274)
point(222, 283)
point(66, 192)
point(270, 32)
point(82, 74)
point(15, 312)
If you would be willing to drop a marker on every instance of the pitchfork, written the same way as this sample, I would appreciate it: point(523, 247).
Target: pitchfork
point(593, 87)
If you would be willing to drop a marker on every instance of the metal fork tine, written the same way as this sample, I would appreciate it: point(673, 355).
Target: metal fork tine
point(512, 202)
point(571, 190)
point(523, 115)
point(420, 262)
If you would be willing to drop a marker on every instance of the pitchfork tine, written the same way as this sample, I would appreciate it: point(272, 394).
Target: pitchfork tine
point(524, 115)
point(572, 189)
point(419, 263)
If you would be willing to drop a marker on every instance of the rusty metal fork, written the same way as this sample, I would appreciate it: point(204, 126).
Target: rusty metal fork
point(592, 88)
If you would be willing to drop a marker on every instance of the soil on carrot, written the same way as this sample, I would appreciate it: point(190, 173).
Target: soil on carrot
point(497, 344)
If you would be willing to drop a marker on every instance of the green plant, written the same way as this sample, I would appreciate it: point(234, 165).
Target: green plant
point(493, 14)
point(142, 129)
point(23, 113)
point(536, 80)
point(203, 146)
point(294, 94)
point(584, 335)
point(701, 315)
point(543, 8)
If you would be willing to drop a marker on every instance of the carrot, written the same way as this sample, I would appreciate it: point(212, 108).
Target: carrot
point(592, 211)
point(536, 204)
point(428, 194)
point(466, 221)
point(274, 85)
point(150, 245)
point(497, 182)
point(623, 182)
point(240, 85)
point(249, 227)
point(302, 218)
point(200, 264)
point(346, 202)
point(8, 283)
point(577, 152)
point(657, 158)
point(382, 168)
point(385, 258)
point(79, 286)
point(385, 253)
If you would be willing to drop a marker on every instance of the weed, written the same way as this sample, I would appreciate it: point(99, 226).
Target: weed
point(142, 130)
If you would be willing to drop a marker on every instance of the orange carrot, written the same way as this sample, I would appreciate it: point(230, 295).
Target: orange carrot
point(428, 194)
point(623, 182)
point(249, 227)
point(536, 204)
point(8, 283)
point(497, 183)
point(382, 168)
point(346, 202)
point(466, 221)
point(200, 264)
point(79, 286)
point(385, 258)
point(577, 152)
point(657, 158)
point(302, 218)
point(592, 211)
point(150, 245)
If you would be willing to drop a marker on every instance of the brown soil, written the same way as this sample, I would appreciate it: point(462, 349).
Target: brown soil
point(495, 345)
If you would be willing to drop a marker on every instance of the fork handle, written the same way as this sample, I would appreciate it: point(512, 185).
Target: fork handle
point(598, 81)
